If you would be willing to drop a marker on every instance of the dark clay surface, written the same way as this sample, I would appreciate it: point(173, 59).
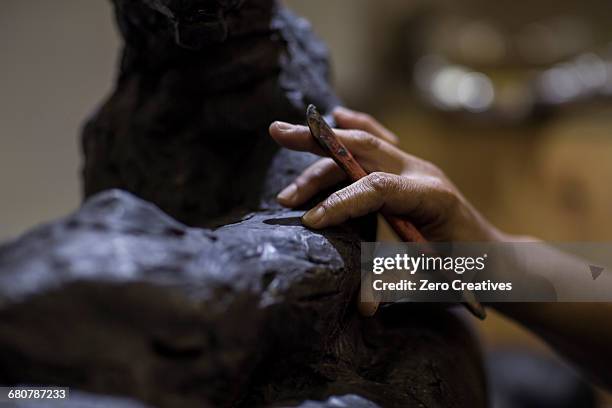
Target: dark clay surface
point(121, 299)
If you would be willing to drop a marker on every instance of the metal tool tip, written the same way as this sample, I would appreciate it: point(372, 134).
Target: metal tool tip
point(312, 110)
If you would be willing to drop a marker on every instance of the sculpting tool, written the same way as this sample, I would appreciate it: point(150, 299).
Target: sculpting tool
point(407, 232)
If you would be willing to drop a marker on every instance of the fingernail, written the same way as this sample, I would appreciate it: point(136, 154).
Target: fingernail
point(314, 216)
point(284, 126)
point(288, 193)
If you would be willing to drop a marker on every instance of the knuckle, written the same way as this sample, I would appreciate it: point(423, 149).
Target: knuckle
point(380, 182)
point(444, 194)
point(366, 140)
point(336, 199)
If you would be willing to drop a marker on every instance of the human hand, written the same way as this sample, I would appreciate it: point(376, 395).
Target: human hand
point(398, 183)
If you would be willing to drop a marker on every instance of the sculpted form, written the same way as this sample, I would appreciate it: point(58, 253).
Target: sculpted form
point(120, 298)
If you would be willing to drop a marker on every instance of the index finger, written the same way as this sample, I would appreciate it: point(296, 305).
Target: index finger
point(295, 137)
point(374, 154)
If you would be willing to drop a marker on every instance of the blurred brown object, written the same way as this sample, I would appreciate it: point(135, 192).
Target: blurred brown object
point(504, 63)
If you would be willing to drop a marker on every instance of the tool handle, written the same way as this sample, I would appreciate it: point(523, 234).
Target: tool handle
point(404, 229)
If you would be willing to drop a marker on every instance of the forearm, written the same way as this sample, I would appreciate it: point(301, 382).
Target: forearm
point(580, 331)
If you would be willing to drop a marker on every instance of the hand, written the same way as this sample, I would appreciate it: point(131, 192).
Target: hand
point(405, 185)
point(398, 183)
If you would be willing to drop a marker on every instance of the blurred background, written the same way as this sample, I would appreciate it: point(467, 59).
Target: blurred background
point(512, 99)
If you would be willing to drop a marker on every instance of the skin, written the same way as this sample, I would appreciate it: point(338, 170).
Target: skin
point(405, 185)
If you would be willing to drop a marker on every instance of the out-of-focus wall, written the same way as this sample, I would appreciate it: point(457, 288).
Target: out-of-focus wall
point(58, 60)
point(344, 26)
